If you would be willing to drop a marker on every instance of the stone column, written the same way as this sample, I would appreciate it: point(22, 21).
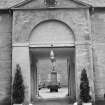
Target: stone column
point(20, 55)
point(71, 77)
point(68, 71)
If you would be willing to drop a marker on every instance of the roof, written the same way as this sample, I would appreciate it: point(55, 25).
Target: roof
point(10, 3)
point(31, 4)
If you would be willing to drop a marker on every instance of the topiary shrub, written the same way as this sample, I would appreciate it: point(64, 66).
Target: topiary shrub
point(18, 87)
point(84, 87)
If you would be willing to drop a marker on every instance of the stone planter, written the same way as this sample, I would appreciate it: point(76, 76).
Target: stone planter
point(20, 104)
point(17, 104)
point(83, 103)
point(75, 103)
point(87, 103)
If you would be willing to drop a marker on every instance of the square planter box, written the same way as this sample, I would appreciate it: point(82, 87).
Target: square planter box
point(75, 103)
point(83, 103)
point(86, 103)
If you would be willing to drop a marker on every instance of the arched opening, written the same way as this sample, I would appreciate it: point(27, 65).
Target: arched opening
point(59, 35)
point(52, 31)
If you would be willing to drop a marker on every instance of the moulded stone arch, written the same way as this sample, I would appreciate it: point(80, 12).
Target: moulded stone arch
point(52, 31)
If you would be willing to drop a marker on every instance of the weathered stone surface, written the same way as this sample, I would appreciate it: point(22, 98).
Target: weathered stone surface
point(5, 55)
point(78, 20)
point(25, 21)
point(99, 3)
point(98, 21)
point(10, 3)
point(51, 34)
point(98, 38)
point(35, 4)
point(83, 60)
point(22, 58)
point(99, 70)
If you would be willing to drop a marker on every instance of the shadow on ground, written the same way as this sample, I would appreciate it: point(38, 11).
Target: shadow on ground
point(53, 101)
point(100, 102)
point(63, 101)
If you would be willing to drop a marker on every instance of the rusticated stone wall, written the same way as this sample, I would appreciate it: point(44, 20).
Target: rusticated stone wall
point(5, 55)
point(98, 37)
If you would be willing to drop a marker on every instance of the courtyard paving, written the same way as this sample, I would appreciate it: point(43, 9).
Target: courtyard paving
point(56, 98)
point(46, 94)
point(61, 102)
point(52, 102)
point(53, 98)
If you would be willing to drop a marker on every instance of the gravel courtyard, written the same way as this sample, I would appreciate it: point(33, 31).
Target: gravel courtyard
point(46, 94)
point(53, 98)
point(56, 98)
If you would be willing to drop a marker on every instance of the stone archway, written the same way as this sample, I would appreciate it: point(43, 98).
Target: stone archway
point(60, 35)
point(23, 30)
point(52, 31)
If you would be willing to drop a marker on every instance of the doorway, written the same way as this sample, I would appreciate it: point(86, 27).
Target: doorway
point(41, 72)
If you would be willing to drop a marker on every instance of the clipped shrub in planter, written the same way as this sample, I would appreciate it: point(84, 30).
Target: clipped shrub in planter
point(18, 88)
point(85, 89)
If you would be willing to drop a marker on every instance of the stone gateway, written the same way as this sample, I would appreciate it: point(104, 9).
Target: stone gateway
point(75, 28)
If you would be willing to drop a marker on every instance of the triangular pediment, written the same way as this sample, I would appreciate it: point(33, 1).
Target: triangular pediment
point(36, 4)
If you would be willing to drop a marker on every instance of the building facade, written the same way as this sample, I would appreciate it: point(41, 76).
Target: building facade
point(76, 30)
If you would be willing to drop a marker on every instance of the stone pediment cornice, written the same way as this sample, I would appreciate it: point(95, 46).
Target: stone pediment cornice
point(43, 4)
